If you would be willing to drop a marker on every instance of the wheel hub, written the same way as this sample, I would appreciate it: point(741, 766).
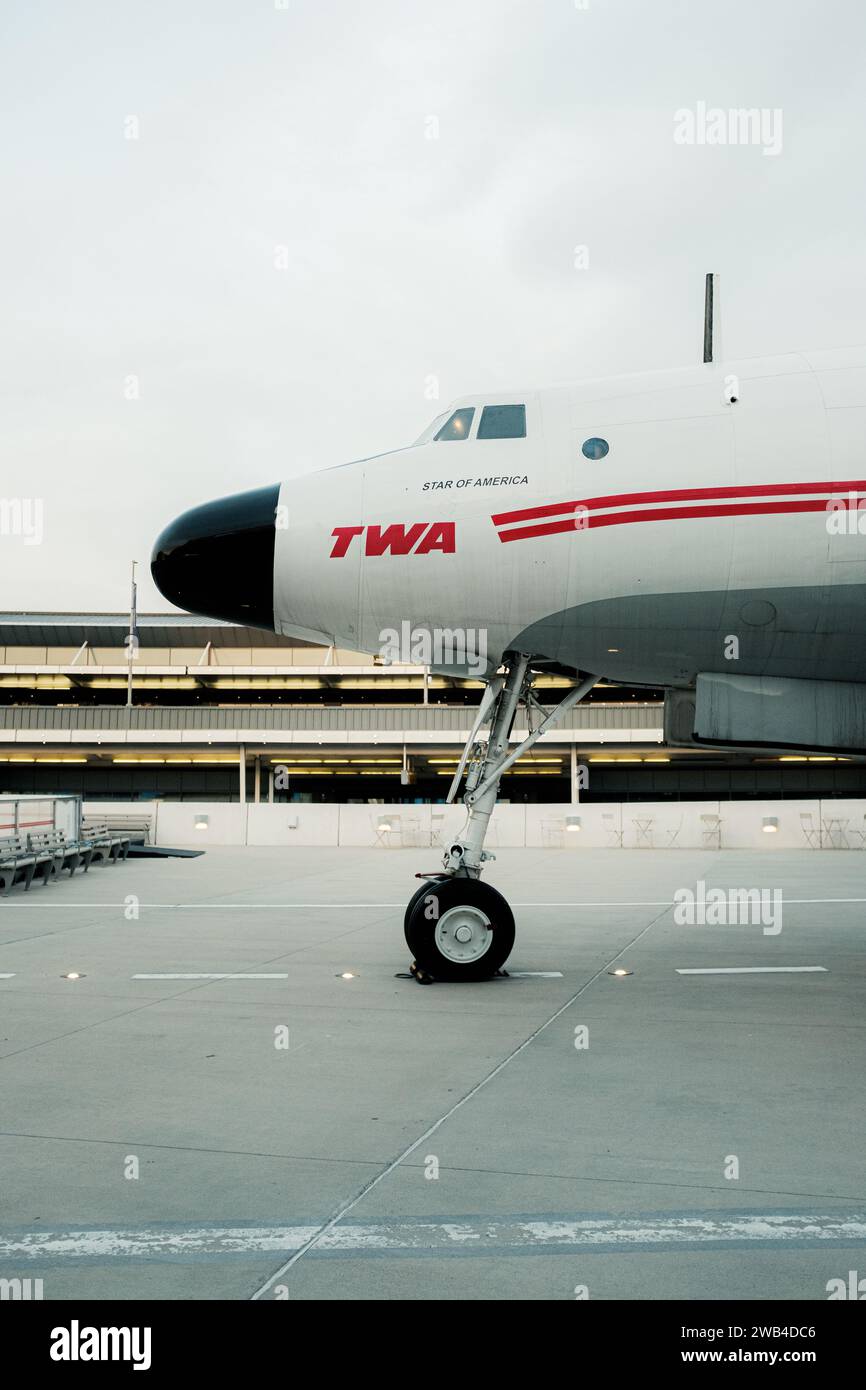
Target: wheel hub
point(464, 934)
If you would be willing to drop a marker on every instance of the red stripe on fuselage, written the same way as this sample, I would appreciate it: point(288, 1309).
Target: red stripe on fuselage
point(628, 499)
point(552, 528)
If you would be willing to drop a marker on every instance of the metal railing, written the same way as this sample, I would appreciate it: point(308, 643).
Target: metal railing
point(372, 718)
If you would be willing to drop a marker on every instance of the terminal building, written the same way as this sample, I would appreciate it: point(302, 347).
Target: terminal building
point(221, 713)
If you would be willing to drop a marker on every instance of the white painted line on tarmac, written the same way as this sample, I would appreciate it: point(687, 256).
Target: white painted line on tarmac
point(757, 970)
point(273, 975)
point(535, 974)
point(212, 975)
point(258, 907)
point(215, 906)
point(474, 1236)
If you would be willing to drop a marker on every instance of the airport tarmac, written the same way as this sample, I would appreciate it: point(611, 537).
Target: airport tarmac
point(560, 1133)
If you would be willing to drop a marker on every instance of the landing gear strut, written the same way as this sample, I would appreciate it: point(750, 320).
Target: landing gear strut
point(457, 927)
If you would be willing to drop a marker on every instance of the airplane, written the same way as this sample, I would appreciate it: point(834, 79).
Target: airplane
point(697, 529)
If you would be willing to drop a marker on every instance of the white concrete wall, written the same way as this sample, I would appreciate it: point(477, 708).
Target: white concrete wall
point(659, 825)
point(293, 824)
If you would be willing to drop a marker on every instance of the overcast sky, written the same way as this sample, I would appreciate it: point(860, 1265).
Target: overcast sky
point(329, 202)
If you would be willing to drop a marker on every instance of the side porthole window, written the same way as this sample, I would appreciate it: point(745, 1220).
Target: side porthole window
point(595, 448)
point(458, 425)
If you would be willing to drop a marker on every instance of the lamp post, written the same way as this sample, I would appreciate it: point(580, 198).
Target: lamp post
point(131, 640)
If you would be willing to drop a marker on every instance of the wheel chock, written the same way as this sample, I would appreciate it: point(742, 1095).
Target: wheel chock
point(423, 977)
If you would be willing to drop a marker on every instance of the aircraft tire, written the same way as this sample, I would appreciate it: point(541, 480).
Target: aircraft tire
point(416, 898)
point(459, 929)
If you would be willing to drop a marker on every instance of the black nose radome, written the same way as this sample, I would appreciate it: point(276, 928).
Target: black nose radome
point(218, 559)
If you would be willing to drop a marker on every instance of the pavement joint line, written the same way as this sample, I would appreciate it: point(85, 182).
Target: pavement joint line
point(390, 1010)
point(583, 1178)
point(217, 1152)
point(346, 1207)
point(47, 933)
point(85, 1027)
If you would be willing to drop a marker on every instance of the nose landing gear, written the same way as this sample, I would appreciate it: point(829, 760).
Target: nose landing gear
point(457, 927)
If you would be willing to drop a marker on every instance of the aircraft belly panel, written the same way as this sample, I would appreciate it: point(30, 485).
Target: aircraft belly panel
point(667, 638)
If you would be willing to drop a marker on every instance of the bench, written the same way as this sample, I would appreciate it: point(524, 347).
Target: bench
point(104, 843)
point(16, 862)
point(54, 852)
point(43, 854)
point(137, 827)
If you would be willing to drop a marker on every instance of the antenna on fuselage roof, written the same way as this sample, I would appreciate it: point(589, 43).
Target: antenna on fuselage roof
point(712, 319)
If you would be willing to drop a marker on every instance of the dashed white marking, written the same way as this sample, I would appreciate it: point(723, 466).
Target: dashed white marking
point(523, 1235)
point(757, 970)
point(4, 976)
point(535, 974)
point(212, 975)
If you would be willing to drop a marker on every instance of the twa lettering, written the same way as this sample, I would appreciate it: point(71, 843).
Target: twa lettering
point(418, 539)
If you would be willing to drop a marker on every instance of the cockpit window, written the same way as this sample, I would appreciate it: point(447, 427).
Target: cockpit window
point(502, 422)
point(458, 425)
point(431, 430)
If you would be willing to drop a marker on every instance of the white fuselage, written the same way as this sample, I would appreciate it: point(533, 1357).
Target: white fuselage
point(707, 518)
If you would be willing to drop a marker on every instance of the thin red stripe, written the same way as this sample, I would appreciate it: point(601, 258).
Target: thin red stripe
point(24, 824)
point(552, 528)
point(626, 499)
